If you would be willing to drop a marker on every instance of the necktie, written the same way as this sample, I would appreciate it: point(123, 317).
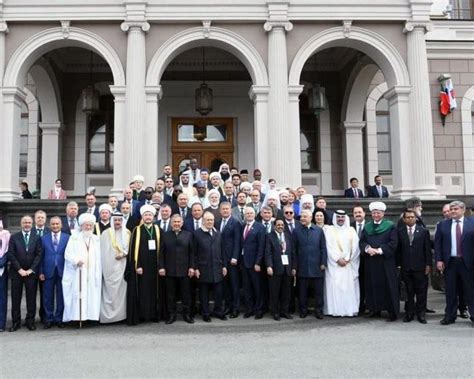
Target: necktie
point(246, 231)
point(55, 241)
point(242, 213)
point(379, 189)
point(196, 225)
point(26, 238)
point(229, 199)
point(224, 221)
point(165, 226)
point(410, 234)
point(459, 251)
point(282, 242)
point(291, 226)
point(359, 229)
point(71, 224)
point(40, 232)
point(266, 227)
point(356, 193)
point(89, 210)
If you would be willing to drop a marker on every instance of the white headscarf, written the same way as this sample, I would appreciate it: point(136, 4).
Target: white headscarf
point(307, 198)
point(216, 192)
point(122, 237)
point(347, 223)
point(271, 194)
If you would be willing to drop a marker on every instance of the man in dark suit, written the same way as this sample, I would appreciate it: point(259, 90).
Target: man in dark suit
point(253, 249)
point(70, 222)
point(24, 254)
point(239, 210)
point(40, 229)
point(91, 206)
point(231, 232)
point(354, 191)
point(51, 272)
point(176, 264)
point(378, 189)
point(310, 262)
point(183, 210)
point(454, 241)
point(195, 221)
point(229, 194)
point(128, 198)
point(414, 258)
point(358, 224)
point(279, 263)
point(168, 174)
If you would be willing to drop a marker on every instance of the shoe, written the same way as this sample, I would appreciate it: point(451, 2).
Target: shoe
point(463, 314)
point(170, 320)
point(421, 319)
point(47, 325)
point(234, 314)
point(392, 318)
point(318, 315)
point(287, 316)
point(428, 310)
point(408, 318)
point(188, 319)
point(15, 327)
point(445, 321)
point(303, 314)
point(249, 314)
point(31, 326)
point(259, 315)
point(276, 317)
point(373, 315)
point(206, 318)
point(220, 316)
point(226, 311)
point(61, 325)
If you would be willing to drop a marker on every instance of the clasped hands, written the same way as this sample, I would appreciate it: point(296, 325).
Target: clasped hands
point(25, 273)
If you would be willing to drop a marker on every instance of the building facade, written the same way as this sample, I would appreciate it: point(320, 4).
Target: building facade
point(309, 92)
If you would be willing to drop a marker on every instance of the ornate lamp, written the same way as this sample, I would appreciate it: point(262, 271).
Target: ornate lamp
point(90, 96)
point(317, 99)
point(203, 95)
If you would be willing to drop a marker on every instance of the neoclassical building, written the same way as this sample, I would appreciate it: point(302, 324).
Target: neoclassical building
point(308, 91)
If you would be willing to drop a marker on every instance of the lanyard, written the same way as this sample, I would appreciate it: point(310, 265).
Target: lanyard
point(148, 231)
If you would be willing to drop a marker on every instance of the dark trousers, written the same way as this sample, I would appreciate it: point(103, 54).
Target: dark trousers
point(41, 311)
point(232, 289)
point(30, 283)
point(217, 289)
point(279, 293)
point(252, 282)
point(53, 288)
point(173, 285)
point(457, 270)
point(362, 284)
point(3, 298)
point(417, 285)
point(305, 284)
point(461, 303)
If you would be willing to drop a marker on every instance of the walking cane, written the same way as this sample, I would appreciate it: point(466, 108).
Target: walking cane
point(80, 298)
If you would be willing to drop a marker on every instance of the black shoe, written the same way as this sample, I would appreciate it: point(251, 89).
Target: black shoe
point(373, 315)
point(428, 310)
point(445, 321)
point(61, 325)
point(188, 319)
point(226, 311)
point(408, 318)
point(31, 326)
point(249, 314)
point(15, 327)
point(170, 320)
point(276, 317)
point(259, 315)
point(287, 316)
point(48, 325)
point(234, 314)
point(392, 318)
point(303, 314)
point(421, 319)
point(220, 316)
point(463, 314)
point(318, 315)
point(206, 318)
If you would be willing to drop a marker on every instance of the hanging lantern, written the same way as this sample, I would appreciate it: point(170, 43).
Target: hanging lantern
point(203, 95)
point(317, 99)
point(90, 100)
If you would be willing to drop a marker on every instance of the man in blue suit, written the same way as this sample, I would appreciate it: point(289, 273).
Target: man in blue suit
point(231, 232)
point(310, 263)
point(378, 190)
point(51, 272)
point(253, 249)
point(354, 191)
point(454, 253)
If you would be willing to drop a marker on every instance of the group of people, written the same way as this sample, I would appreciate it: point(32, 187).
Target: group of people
point(212, 235)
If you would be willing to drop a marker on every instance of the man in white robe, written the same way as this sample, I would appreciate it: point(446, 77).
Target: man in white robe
point(114, 243)
point(341, 290)
point(82, 278)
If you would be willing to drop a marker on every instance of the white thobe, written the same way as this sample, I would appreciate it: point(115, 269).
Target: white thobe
point(88, 278)
point(341, 290)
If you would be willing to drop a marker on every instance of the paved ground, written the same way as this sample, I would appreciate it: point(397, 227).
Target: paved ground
point(246, 348)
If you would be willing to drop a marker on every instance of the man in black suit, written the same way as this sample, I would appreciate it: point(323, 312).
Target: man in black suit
point(24, 254)
point(168, 174)
point(279, 262)
point(229, 194)
point(183, 210)
point(415, 259)
point(41, 229)
point(70, 222)
point(176, 264)
point(354, 191)
point(358, 224)
point(91, 206)
point(378, 189)
point(289, 218)
point(231, 231)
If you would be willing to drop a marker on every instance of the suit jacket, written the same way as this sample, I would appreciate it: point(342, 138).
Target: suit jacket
point(310, 251)
point(233, 202)
point(237, 215)
point(188, 212)
point(161, 225)
point(231, 238)
point(133, 205)
point(208, 256)
point(274, 251)
point(176, 253)
point(20, 257)
point(296, 224)
point(175, 179)
point(253, 247)
point(372, 192)
point(65, 222)
point(52, 195)
point(349, 192)
point(52, 259)
point(189, 224)
point(417, 256)
point(96, 212)
point(443, 242)
point(46, 230)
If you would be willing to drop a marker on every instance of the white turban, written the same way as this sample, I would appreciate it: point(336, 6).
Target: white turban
point(214, 174)
point(147, 208)
point(138, 178)
point(105, 207)
point(245, 185)
point(86, 218)
point(377, 206)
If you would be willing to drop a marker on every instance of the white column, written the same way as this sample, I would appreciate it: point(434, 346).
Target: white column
point(283, 137)
point(421, 126)
point(139, 146)
point(50, 155)
point(259, 96)
point(294, 128)
point(398, 100)
point(120, 179)
point(353, 152)
point(13, 98)
point(153, 96)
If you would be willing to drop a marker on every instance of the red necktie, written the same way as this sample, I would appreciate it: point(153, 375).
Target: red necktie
point(246, 231)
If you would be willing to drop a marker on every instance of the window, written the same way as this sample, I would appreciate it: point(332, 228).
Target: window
point(384, 150)
point(462, 9)
point(24, 141)
point(100, 129)
point(309, 143)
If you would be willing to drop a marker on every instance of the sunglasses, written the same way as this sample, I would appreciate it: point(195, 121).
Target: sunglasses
point(289, 213)
point(148, 192)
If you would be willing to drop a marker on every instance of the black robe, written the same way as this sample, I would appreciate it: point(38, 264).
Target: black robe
point(101, 228)
point(381, 278)
point(142, 290)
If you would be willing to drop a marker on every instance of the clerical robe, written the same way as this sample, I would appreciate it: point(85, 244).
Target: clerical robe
point(341, 290)
point(381, 279)
point(114, 250)
point(99, 227)
point(82, 285)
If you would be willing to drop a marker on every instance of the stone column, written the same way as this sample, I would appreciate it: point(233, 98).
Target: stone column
point(294, 128)
point(13, 98)
point(421, 126)
point(120, 179)
point(153, 96)
point(283, 137)
point(259, 97)
point(50, 155)
point(353, 152)
point(398, 98)
point(138, 144)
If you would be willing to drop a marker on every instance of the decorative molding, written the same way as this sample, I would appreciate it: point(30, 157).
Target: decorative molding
point(259, 93)
point(270, 25)
point(65, 25)
point(3, 27)
point(347, 25)
point(126, 26)
point(206, 28)
point(412, 25)
point(397, 90)
point(154, 93)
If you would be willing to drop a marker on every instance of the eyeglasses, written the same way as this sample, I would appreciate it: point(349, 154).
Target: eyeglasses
point(289, 212)
point(148, 192)
point(177, 190)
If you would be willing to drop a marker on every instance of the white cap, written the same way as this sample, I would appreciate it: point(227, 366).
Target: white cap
point(148, 208)
point(138, 178)
point(105, 207)
point(377, 206)
point(86, 218)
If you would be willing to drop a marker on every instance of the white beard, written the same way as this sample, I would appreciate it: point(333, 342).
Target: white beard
point(87, 233)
